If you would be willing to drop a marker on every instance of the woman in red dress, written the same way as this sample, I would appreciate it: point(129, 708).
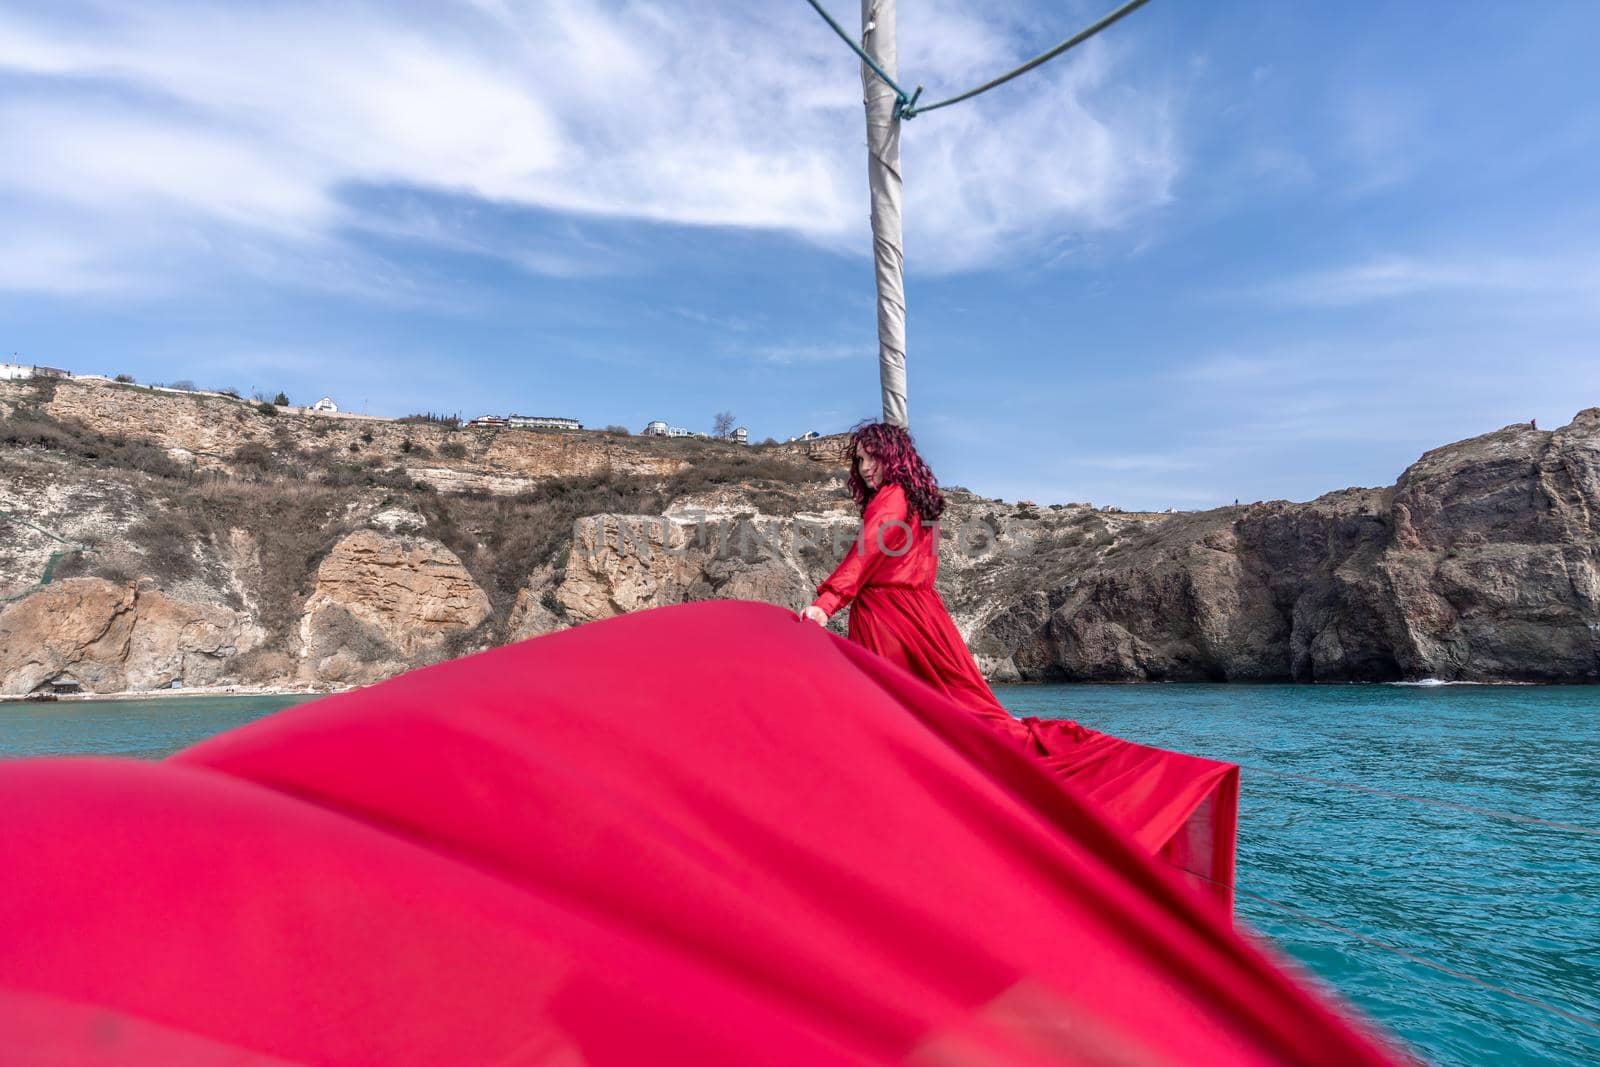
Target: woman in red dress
point(887, 576)
point(1181, 808)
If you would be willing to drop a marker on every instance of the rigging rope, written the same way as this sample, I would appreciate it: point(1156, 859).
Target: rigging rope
point(911, 110)
point(905, 106)
point(901, 100)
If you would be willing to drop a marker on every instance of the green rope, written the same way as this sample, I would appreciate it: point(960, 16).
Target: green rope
point(905, 106)
point(902, 102)
point(1044, 57)
point(40, 529)
point(49, 564)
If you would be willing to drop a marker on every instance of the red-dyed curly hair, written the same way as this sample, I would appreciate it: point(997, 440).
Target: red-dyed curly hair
point(893, 448)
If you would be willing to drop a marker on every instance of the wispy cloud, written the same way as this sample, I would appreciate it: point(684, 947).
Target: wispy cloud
point(811, 353)
point(1380, 135)
point(718, 323)
point(1230, 368)
point(1146, 462)
point(235, 118)
point(1396, 277)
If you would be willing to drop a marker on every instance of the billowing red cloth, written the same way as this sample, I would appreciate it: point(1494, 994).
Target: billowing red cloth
point(700, 834)
point(1182, 808)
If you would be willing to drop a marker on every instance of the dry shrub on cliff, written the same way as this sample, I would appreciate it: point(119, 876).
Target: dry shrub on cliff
point(502, 540)
point(458, 643)
point(768, 481)
point(92, 565)
point(167, 540)
point(262, 666)
point(743, 467)
point(449, 422)
point(28, 426)
point(292, 525)
point(336, 630)
point(346, 475)
point(262, 494)
point(255, 457)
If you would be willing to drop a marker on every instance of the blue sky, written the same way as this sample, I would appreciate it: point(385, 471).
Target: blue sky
point(1227, 250)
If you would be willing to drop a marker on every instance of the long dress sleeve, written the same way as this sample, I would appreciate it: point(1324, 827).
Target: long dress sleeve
point(885, 532)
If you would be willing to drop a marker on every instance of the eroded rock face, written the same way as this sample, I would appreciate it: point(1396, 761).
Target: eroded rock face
point(622, 563)
point(1479, 564)
point(382, 603)
point(532, 616)
point(109, 638)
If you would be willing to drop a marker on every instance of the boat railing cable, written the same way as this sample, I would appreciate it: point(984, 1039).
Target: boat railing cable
point(1406, 954)
point(905, 106)
point(1508, 816)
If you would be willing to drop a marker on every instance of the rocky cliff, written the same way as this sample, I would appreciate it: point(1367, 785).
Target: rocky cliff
point(1478, 564)
point(150, 539)
point(109, 638)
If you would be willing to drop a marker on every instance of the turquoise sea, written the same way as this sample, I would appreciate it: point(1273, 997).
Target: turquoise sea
point(1371, 893)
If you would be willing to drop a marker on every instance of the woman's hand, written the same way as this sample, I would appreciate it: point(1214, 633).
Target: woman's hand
point(815, 614)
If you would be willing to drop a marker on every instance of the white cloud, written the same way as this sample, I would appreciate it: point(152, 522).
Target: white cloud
point(1394, 277)
point(1135, 461)
point(56, 261)
point(813, 353)
point(1381, 134)
point(262, 118)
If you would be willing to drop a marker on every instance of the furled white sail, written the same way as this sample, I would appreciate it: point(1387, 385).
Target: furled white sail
point(883, 175)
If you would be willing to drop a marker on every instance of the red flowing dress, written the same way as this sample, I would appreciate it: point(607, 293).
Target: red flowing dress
point(887, 576)
point(1181, 808)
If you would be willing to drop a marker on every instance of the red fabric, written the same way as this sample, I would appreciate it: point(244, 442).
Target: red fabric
point(701, 834)
point(1182, 808)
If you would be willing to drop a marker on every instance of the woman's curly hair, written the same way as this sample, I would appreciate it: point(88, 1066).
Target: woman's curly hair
point(894, 450)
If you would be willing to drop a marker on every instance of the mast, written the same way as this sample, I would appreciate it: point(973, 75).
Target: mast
point(883, 177)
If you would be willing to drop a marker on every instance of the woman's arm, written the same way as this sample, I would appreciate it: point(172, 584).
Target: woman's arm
point(885, 533)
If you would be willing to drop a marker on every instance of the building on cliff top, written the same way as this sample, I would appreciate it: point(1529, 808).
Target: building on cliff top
point(13, 371)
point(543, 422)
point(325, 406)
point(658, 428)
